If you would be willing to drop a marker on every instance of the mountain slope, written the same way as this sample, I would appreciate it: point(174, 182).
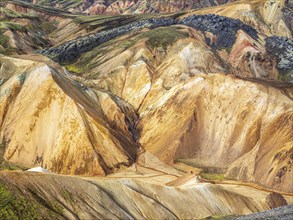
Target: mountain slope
point(66, 134)
point(121, 198)
point(149, 114)
point(219, 127)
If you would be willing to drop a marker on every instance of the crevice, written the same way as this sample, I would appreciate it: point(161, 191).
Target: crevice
point(122, 139)
point(91, 137)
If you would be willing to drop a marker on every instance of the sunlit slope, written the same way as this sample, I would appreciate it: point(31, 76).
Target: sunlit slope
point(47, 119)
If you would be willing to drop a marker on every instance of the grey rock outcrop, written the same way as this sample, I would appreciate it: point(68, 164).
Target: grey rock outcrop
point(223, 27)
point(282, 49)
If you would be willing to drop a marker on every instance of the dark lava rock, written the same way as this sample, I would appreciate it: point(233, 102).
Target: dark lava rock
point(275, 200)
point(284, 213)
point(288, 18)
point(289, 3)
point(70, 51)
point(282, 48)
point(223, 27)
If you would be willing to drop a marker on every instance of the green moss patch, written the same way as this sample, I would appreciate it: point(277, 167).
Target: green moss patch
point(13, 206)
point(209, 173)
point(163, 37)
point(14, 14)
point(73, 69)
point(18, 204)
point(4, 40)
point(4, 25)
point(206, 169)
point(213, 176)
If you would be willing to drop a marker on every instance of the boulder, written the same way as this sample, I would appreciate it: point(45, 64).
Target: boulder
point(275, 200)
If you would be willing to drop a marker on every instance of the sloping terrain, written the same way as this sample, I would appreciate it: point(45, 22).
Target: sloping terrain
point(131, 103)
point(65, 133)
point(118, 198)
point(126, 7)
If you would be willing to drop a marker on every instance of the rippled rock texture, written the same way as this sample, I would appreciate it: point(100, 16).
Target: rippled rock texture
point(178, 116)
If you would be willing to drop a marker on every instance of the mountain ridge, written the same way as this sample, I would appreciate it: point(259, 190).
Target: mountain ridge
point(113, 7)
point(148, 114)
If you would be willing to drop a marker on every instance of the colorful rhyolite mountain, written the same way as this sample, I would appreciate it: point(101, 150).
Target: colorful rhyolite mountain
point(121, 109)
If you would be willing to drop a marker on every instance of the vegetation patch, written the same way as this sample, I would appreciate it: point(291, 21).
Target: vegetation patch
point(208, 173)
point(14, 14)
point(68, 196)
point(65, 3)
point(213, 176)
point(11, 26)
point(163, 37)
point(27, 205)
point(206, 169)
point(13, 206)
point(4, 40)
point(158, 37)
point(47, 27)
point(73, 69)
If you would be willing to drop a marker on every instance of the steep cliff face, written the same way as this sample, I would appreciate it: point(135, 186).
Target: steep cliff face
point(56, 123)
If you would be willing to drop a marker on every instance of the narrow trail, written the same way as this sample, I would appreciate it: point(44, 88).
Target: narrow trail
point(160, 171)
point(252, 185)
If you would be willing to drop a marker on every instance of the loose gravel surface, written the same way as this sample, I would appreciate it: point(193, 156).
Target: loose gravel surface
point(283, 213)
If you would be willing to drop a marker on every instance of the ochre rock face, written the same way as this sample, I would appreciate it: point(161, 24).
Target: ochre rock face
point(186, 114)
point(191, 109)
point(42, 125)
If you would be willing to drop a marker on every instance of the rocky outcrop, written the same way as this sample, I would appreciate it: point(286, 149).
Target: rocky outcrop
point(288, 15)
point(281, 48)
point(224, 28)
point(70, 51)
point(88, 134)
point(275, 200)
